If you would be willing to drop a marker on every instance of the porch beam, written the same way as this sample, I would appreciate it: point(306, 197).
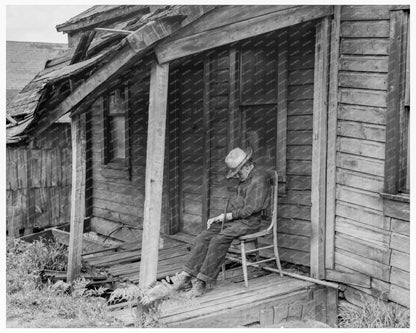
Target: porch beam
point(319, 148)
point(175, 48)
point(158, 97)
point(78, 138)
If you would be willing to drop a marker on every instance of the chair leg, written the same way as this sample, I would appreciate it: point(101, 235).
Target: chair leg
point(244, 263)
point(276, 254)
point(223, 271)
point(256, 244)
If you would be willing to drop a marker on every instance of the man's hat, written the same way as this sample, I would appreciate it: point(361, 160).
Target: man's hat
point(235, 160)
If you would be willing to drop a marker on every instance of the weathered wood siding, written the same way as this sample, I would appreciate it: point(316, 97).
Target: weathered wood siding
point(118, 191)
point(38, 181)
point(294, 223)
point(231, 115)
point(366, 241)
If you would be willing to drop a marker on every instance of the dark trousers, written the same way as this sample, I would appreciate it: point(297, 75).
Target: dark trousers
point(211, 246)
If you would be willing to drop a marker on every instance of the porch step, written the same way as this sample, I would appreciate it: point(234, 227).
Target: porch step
point(268, 300)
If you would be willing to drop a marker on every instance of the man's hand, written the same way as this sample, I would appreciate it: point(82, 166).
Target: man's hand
point(219, 218)
point(214, 220)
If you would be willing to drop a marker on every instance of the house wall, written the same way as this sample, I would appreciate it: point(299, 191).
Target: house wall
point(225, 114)
point(369, 242)
point(38, 178)
point(117, 191)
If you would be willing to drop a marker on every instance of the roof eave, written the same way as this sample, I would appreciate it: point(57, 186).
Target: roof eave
point(97, 19)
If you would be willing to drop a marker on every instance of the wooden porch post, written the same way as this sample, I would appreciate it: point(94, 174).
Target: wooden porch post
point(332, 140)
point(77, 196)
point(158, 97)
point(319, 145)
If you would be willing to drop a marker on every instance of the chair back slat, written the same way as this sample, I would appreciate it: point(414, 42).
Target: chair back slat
point(273, 200)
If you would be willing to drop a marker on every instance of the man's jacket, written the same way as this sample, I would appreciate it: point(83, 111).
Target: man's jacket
point(253, 196)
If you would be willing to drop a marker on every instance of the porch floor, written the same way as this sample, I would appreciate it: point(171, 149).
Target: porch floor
point(268, 300)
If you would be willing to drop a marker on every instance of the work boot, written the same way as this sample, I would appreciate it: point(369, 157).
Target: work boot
point(183, 281)
point(198, 288)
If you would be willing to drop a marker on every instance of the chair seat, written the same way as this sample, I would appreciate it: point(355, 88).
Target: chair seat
point(261, 233)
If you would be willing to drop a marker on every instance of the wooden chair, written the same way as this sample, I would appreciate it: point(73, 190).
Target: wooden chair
point(271, 229)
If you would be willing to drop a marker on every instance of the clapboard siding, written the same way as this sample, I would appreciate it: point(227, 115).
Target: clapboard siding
point(294, 208)
point(118, 191)
point(38, 181)
point(371, 236)
point(218, 114)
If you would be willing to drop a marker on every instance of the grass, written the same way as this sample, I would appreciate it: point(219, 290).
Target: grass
point(33, 303)
point(374, 314)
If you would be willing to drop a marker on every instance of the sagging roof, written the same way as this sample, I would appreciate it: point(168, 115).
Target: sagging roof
point(97, 47)
point(100, 14)
point(24, 60)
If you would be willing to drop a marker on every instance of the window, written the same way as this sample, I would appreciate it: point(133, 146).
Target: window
point(397, 168)
point(115, 139)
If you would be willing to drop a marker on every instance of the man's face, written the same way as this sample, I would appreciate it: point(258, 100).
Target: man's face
point(242, 174)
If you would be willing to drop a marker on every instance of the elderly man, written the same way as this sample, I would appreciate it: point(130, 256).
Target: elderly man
point(242, 218)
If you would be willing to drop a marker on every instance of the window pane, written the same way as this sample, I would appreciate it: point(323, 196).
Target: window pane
point(117, 140)
point(118, 101)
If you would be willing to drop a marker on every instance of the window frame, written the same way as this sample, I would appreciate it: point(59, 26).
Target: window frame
point(107, 159)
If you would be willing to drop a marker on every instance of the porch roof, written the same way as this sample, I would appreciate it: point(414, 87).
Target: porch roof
point(32, 103)
point(168, 31)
